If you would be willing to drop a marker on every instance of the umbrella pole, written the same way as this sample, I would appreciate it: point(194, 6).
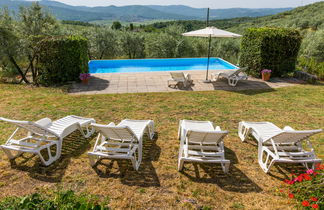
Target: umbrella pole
point(209, 43)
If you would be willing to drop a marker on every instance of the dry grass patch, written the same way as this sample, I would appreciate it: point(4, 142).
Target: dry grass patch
point(158, 184)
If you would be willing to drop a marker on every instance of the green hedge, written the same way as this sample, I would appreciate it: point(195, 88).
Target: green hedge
point(62, 59)
point(270, 48)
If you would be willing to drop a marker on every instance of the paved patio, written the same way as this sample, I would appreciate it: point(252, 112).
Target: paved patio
point(109, 83)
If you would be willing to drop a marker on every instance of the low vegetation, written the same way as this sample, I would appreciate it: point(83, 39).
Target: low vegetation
point(50, 200)
point(306, 188)
point(158, 184)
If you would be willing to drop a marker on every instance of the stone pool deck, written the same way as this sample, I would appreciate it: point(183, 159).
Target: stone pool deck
point(109, 83)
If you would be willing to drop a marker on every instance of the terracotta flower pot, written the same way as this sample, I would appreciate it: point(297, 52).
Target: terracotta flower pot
point(266, 76)
point(85, 81)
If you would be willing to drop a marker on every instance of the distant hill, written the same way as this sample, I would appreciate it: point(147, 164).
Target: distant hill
point(200, 13)
point(308, 18)
point(137, 12)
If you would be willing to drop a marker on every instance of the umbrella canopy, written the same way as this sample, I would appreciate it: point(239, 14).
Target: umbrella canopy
point(211, 32)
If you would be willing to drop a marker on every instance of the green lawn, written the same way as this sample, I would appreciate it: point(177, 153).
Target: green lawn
point(158, 184)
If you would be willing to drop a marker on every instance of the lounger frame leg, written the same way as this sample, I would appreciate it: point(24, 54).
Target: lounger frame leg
point(225, 167)
point(51, 158)
point(93, 159)
point(10, 154)
point(180, 164)
point(232, 81)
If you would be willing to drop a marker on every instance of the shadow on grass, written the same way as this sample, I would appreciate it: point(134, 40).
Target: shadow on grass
point(235, 180)
point(246, 87)
point(181, 87)
point(284, 171)
point(146, 175)
point(95, 84)
point(74, 145)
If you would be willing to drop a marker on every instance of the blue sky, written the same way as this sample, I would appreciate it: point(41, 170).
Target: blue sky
point(196, 3)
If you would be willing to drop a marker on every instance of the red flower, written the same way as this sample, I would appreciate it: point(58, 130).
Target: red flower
point(319, 166)
point(290, 195)
point(315, 206)
point(313, 198)
point(307, 177)
point(305, 203)
point(300, 178)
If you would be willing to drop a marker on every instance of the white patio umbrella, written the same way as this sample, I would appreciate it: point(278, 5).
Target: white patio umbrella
point(210, 32)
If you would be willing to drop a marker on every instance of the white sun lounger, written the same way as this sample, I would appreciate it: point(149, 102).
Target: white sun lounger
point(44, 134)
point(201, 142)
point(180, 78)
point(232, 76)
point(279, 145)
point(122, 141)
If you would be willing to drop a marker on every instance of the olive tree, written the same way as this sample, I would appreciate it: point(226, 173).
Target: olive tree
point(10, 43)
point(104, 43)
point(132, 44)
point(19, 38)
point(169, 44)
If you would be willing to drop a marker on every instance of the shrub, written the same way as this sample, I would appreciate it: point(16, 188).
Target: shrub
point(62, 59)
point(60, 200)
point(270, 48)
point(310, 65)
point(311, 57)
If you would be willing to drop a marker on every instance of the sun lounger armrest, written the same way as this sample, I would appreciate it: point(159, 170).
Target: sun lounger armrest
point(188, 76)
point(111, 124)
point(102, 125)
point(45, 122)
point(288, 128)
point(218, 128)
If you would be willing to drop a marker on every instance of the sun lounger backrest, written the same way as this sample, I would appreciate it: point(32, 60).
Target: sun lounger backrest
point(177, 75)
point(293, 136)
point(238, 71)
point(30, 126)
point(207, 137)
point(116, 132)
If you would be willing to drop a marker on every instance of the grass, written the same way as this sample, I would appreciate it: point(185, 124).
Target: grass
point(158, 184)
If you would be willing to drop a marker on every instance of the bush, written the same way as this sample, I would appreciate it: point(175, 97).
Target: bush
point(270, 48)
point(311, 57)
point(310, 65)
point(60, 200)
point(62, 59)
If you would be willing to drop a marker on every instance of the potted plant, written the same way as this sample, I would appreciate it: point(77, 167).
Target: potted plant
point(266, 73)
point(84, 78)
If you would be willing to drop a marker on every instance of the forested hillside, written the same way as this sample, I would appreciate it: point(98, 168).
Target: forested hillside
point(306, 17)
point(137, 13)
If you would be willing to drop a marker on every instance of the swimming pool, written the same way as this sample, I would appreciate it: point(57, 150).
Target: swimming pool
point(151, 65)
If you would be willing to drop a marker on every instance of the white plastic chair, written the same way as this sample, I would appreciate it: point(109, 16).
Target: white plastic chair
point(180, 78)
point(232, 76)
point(277, 145)
point(201, 142)
point(43, 135)
point(122, 141)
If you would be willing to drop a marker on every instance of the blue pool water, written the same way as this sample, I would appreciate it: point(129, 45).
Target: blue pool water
point(149, 65)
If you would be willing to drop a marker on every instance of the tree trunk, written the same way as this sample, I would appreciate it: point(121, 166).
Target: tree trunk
point(13, 61)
